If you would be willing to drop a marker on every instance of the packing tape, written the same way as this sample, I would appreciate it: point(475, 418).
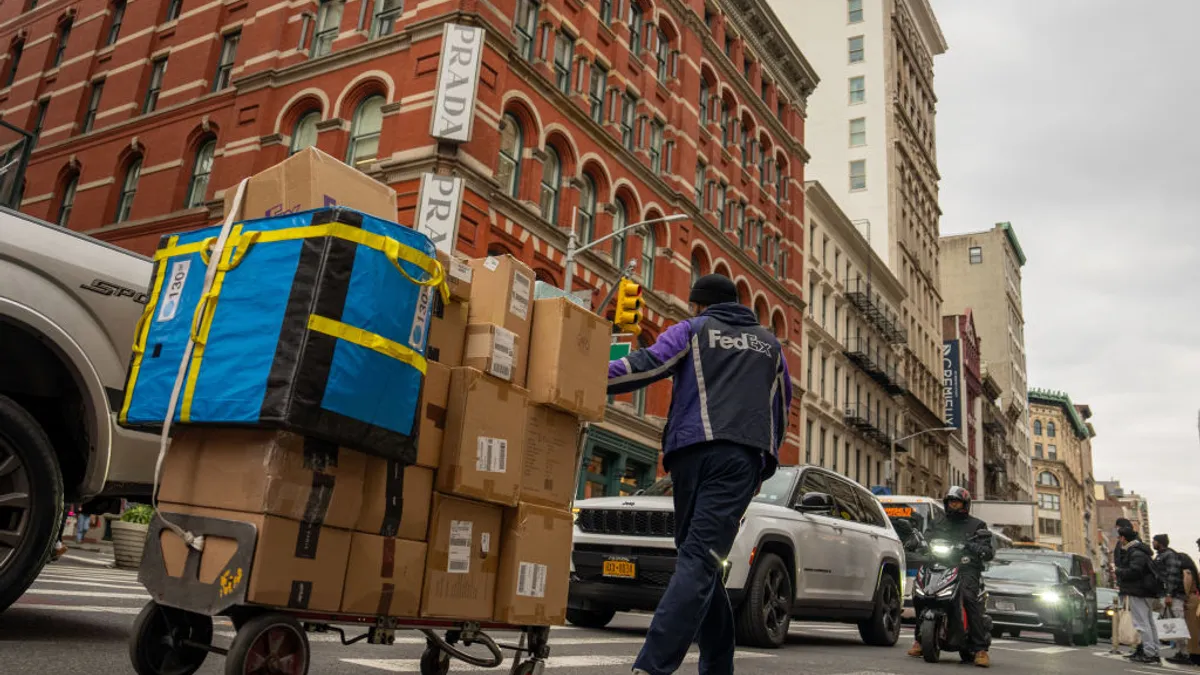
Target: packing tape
point(437, 415)
point(387, 569)
point(393, 507)
point(300, 595)
point(386, 592)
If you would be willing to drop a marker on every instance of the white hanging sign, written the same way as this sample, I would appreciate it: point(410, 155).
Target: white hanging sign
point(458, 82)
point(438, 210)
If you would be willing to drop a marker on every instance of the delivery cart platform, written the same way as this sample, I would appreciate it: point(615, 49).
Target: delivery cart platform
point(173, 634)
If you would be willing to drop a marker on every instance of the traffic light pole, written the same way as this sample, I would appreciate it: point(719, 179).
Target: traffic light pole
point(574, 249)
point(625, 273)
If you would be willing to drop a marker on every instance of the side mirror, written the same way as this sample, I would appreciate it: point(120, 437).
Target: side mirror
point(816, 502)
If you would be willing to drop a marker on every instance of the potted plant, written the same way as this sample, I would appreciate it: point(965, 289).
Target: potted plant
point(129, 535)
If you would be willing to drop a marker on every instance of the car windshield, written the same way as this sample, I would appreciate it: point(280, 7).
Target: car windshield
point(1106, 597)
point(917, 512)
point(1022, 570)
point(775, 490)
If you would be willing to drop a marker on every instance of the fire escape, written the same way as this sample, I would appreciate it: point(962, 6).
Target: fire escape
point(860, 418)
point(871, 356)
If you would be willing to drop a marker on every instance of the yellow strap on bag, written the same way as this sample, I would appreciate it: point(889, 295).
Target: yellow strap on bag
point(372, 341)
point(203, 319)
point(141, 332)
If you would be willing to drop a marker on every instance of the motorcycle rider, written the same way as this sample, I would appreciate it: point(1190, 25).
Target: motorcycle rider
point(961, 528)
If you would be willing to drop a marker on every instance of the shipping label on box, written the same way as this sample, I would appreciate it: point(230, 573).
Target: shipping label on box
point(494, 350)
point(551, 457)
point(459, 276)
point(535, 561)
point(483, 456)
point(568, 359)
point(293, 566)
point(396, 500)
point(464, 556)
point(447, 331)
point(311, 179)
point(384, 576)
point(264, 471)
point(431, 424)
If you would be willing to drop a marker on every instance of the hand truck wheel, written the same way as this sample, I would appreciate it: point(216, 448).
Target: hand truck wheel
point(160, 641)
point(269, 644)
point(434, 661)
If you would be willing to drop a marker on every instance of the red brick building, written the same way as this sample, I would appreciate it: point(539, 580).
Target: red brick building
point(147, 110)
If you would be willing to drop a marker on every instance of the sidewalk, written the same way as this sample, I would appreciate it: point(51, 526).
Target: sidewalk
point(93, 546)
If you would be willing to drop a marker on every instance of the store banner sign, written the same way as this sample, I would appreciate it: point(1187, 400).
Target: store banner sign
point(952, 383)
point(438, 210)
point(458, 83)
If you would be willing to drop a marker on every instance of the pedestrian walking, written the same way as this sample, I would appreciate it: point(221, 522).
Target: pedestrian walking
point(1137, 580)
point(1123, 600)
point(1170, 566)
point(731, 392)
point(1191, 609)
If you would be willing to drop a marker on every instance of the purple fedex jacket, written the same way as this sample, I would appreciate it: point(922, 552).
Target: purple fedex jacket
point(731, 382)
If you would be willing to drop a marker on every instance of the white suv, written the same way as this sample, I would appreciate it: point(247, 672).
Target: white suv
point(813, 545)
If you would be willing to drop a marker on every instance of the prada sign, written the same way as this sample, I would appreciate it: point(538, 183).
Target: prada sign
point(438, 210)
point(458, 81)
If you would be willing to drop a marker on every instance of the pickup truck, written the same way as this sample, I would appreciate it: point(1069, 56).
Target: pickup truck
point(69, 305)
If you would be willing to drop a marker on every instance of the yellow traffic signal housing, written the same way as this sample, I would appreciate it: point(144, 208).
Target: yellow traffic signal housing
point(628, 314)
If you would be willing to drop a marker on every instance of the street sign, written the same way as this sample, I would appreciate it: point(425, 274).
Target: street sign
point(618, 350)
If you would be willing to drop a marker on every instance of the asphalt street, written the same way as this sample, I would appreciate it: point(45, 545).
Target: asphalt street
point(77, 617)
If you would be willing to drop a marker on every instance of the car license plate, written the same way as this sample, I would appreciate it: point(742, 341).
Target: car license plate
point(1005, 606)
point(620, 569)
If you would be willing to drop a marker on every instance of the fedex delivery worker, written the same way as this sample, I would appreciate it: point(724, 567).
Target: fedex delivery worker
point(729, 413)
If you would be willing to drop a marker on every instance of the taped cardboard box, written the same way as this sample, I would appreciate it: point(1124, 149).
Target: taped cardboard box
point(264, 471)
point(568, 359)
point(535, 562)
point(311, 179)
point(396, 500)
point(502, 294)
point(485, 439)
point(447, 332)
point(431, 412)
point(459, 276)
point(551, 457)
point(496, 351)
point(295, 565)
point(384, 576)
point(464, 556)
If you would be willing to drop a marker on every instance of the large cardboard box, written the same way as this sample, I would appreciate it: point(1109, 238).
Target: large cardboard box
point(396, 500)
point(502, 294)
point(496, 351)
point(551, 457)
point(485, 439)
point(459, 276)
point(264, 471)
point(431, 412)
point(464, 556)
point(311, 179)
point(384, 576)
point(294, 566)
point(535, 562)
point(568, 358)
point(447, 332)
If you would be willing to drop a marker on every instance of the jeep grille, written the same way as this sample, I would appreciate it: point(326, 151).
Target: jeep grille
point(635, 523)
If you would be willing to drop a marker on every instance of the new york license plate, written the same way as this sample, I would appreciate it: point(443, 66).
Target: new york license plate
point(620, 569)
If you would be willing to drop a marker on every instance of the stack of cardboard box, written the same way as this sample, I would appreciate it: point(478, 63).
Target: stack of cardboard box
point(479, 528)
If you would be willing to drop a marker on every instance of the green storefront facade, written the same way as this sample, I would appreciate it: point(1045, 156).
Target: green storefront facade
point(613, 465)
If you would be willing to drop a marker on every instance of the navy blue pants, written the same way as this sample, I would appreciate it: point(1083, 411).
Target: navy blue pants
point(713, 485)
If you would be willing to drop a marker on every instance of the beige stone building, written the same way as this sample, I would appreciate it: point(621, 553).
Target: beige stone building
point(981, 271)
point(870, 129)
point(1062, 465)
point(852, 347)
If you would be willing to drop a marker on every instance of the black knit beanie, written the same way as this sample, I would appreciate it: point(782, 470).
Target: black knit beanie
point(1162, 539)
point(713, 289)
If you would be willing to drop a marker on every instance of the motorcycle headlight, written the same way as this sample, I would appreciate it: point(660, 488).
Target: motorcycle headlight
point(1109, 612)
point(941, 549)
point(1050, 597)
point(946, 592)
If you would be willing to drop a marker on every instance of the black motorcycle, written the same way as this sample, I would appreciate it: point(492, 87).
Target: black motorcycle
point(938, 602)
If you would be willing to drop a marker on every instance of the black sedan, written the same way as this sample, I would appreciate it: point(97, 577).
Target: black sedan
point(1034, 596)
point(1107, 600)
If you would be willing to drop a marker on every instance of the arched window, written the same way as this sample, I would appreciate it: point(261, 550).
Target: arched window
point(1037, 427)
point(1048, 479)
point(68, 201)
point(64, 33)
point(746, 158)
point(14, 61)
point(649, 245)
point(551, 182)
point(201, 170)
point(636, 24)
point(364, 132)
point(128, 190)
point(304, 135)
point(1050, 429)
point(587, 211)
point(725, 130)
point(620, 220)
point(704, 101)
point(511, 141)
point(664, 55)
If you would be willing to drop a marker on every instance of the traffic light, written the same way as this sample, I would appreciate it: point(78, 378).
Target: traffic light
point(628, 314)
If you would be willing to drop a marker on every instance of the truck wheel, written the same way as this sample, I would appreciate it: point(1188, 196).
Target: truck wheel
point(883, 628)
point(31, 500)
point(766, 613)
point(590, 618)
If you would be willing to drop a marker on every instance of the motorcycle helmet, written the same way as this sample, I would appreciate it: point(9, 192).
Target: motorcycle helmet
point(959, 494)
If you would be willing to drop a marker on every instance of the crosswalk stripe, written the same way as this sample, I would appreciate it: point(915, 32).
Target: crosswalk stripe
point(93, 584)
point(90, 561)
point(87, 594)
point(89, 574)
point(87, 609)
point(583, 661)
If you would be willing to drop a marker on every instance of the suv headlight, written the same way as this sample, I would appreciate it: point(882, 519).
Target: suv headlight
point(1050, 597)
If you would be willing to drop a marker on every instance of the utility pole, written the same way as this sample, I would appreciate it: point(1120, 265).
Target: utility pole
point(573, 248)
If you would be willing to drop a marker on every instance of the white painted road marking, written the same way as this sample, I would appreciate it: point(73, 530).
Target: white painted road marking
point(94, 584)
point(593, 661)
point(94, 609)
point(87, 594)
point(90, 561)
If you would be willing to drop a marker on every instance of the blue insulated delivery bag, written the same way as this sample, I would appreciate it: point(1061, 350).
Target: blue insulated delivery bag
point(316, 323)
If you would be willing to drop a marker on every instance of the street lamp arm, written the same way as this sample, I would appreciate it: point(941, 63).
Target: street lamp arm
point(623, 230)
point(924, 431)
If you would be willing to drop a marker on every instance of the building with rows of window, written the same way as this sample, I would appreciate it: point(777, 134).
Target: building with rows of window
point(1062, 466)
point(615, 110)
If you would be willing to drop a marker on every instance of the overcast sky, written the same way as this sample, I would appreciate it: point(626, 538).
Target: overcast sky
point(1079, 122)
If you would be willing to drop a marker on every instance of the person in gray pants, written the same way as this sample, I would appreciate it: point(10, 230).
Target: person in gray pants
point(1138, 580)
